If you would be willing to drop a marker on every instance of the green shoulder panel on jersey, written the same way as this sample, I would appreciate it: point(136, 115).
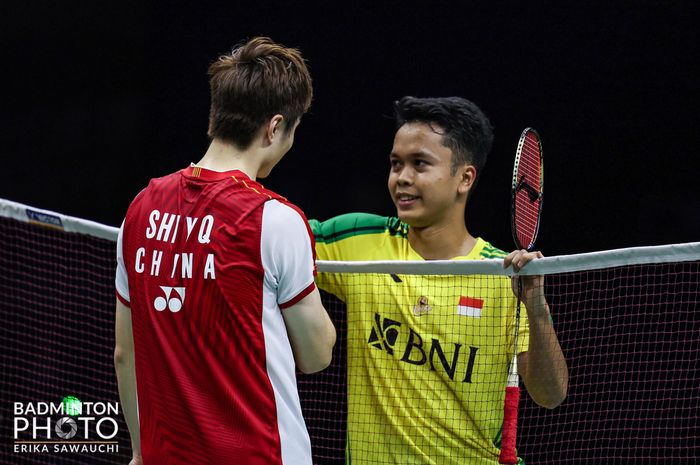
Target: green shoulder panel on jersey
point(490, 251)
point(356, 224)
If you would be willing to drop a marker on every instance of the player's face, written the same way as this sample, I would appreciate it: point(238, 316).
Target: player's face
point(421, 182)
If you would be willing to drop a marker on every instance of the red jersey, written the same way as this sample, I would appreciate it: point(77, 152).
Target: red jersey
point(207, 262)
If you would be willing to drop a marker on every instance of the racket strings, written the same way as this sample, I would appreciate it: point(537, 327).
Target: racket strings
point(529, 180)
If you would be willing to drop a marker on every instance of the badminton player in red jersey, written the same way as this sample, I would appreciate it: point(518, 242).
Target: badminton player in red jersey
point(216, 301)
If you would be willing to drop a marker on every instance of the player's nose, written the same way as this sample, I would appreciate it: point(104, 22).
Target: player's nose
point(405, 176)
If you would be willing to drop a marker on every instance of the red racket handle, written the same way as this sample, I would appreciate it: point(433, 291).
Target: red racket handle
point(510, 426)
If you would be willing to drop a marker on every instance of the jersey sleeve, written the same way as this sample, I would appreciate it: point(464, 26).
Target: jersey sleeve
point(348, 237)
point(344, 237)
point(287, 253)
point(121, 280)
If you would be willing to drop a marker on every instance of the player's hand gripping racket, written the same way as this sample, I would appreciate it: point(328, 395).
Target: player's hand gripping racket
point(525, 211)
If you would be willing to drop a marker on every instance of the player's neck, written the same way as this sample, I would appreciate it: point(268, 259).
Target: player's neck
point(442, 241)
point(222, 156)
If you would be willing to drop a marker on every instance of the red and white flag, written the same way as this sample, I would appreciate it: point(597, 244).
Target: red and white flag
point(470, 307)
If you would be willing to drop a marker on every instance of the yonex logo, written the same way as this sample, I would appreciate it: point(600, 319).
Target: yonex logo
point(174, 303)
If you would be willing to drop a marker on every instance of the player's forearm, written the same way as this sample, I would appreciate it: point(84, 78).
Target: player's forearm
point(126, 380)
point(311, 333)
point(547, 375)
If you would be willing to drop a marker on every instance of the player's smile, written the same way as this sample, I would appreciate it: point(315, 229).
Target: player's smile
point(405, 200)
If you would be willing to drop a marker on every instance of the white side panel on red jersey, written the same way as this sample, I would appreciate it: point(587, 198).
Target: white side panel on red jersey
point(286, 251)
point(288, 264)
point(121, 280)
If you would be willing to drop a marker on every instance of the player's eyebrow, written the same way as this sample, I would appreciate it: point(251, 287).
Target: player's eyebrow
point(418, 154)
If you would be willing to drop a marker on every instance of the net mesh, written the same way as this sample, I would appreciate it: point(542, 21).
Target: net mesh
point(57, 331)
point(630, 334)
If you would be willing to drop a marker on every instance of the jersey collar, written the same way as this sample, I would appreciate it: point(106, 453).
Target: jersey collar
point(474, 253)
point(197, 172)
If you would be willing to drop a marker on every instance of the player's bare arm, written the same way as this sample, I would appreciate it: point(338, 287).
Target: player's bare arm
point(311, 333)
point(126, 377)
point(543, 367)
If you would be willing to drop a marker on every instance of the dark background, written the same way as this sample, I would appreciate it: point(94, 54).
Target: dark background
point(98, 97)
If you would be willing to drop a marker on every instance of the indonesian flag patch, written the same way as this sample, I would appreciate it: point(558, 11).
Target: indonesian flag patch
point(469, 306)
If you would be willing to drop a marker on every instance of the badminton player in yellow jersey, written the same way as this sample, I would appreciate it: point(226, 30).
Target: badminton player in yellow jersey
point(428, 356)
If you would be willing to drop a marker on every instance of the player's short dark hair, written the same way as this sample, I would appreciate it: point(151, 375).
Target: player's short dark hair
point(257, 80)
point(464, 127)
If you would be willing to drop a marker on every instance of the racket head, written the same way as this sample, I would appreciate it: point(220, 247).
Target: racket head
point(527, 190)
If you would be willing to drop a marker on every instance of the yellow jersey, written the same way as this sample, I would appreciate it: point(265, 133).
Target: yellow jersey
point(427, 355)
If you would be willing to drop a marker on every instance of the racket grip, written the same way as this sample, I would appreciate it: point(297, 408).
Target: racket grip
point(510, 426)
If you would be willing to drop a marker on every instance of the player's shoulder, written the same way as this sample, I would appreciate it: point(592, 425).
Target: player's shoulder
point(356, 224)
point(284, 223)
point(154, 190)
point(280, 212)
point(164, 182)
point(157, 185)
point(489, 251)
point(286, 218)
